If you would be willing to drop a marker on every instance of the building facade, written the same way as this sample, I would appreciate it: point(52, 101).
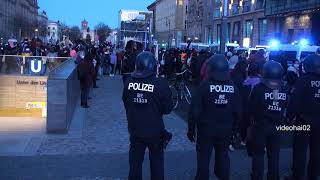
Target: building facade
point(134, 25)
point(53, 32)
point(291, 20)
point(42, 30)
point(195, 20)
point(169, 22)
point(85, 31)
point(246, 22)
point(18, 18)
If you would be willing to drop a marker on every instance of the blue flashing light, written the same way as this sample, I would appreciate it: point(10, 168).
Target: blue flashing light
point(274, 43)
point(304, 42)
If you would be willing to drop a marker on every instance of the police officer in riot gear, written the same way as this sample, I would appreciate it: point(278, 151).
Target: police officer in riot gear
point(304, 108)
point(267, 105)
point(146, 99)
point(214, 104)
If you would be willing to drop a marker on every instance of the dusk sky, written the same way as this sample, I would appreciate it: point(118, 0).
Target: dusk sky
point(72, 12)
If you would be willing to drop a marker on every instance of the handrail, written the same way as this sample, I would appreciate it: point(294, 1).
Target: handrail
point(6, 55)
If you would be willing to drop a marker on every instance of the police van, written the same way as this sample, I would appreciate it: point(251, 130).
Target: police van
point(229, 47)
point(247, 51)
point(291, 52)
point(197, 46)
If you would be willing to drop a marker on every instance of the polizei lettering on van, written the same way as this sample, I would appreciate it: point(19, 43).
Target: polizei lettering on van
point(141, 87)
point(221, 88)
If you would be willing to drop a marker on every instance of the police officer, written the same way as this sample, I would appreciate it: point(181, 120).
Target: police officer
point(305, 108)
point(267, 105)
point(146, 99)
point(214, 103)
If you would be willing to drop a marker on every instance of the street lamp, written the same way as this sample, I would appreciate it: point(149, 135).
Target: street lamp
point(36, 32)
point(168, 24)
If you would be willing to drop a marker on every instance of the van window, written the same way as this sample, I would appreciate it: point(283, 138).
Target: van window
point(290, 55)
point(305, 54)
point(275, 55)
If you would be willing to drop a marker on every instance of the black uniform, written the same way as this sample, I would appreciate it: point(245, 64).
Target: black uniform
point(212, 115)
point(146, 99)
point(267, 106)
point(267, 109)
point(305, 105)
point(214, 104)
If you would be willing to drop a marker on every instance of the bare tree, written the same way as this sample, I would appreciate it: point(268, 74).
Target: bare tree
point(103, 31)
point(74, 33)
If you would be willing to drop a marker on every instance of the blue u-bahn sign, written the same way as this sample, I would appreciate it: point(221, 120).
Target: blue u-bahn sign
point(36, 67)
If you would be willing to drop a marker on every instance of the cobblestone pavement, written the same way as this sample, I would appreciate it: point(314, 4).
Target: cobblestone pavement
point(101, 151)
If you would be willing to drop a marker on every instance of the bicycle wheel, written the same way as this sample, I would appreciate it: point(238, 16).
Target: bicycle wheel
point(187, 94)
point(175, 97)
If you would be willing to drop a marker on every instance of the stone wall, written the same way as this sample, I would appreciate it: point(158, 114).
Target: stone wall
point(63, 96)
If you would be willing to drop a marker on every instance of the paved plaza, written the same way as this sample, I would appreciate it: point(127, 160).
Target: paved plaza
point(96, 148)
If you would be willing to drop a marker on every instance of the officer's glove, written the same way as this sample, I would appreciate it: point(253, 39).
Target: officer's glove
point(191, 136)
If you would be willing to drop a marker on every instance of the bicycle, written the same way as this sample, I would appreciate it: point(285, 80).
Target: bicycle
point(180, 89)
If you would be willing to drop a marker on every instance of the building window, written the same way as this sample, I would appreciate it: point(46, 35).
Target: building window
point(248, 30)
point(246, 6)
point(217, 13)
point(185, 24)
point(235, 9)
point(259, 4)
point(236, 31)
point(262, 31)
point(218, 33)
point(228, 32)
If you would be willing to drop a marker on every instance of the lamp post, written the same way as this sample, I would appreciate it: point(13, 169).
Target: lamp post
point(224, 26)
point(169, 32)
point(36, 32)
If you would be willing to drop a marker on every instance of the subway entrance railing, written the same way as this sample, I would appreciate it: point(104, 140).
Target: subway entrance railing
point(29, 65)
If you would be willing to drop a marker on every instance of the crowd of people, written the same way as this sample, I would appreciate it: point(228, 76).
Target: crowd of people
point(238, 99)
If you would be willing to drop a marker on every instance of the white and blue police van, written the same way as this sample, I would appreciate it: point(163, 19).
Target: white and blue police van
point(290, 52)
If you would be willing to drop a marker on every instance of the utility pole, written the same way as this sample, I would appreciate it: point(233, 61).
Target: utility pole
point(224, 26)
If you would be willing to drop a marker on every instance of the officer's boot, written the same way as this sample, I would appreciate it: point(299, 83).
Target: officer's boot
point(314, 178)
point(291, 177)
point(256, 177)
point(273, 178)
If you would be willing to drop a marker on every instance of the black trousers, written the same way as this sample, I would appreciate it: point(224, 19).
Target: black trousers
point(138, 147)
point(112, 69)
point(268, 138)
point(205, 145)
point(303, 140)
point(118, 69)
point(84, 94)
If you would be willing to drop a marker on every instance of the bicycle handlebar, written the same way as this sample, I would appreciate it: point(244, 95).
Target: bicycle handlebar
point(178, 74)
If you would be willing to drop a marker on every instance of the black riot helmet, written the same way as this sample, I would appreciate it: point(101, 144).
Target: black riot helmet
point(145, 62)
point(312, 64)
point(272, 74)
point(218, 68)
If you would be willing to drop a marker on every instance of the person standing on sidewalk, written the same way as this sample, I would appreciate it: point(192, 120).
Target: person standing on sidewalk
point(267, 106)
point(146, 99)
point(304, 108)
point(113, 62)
point(215, 105)
point(119, 62)
point(86, 75)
